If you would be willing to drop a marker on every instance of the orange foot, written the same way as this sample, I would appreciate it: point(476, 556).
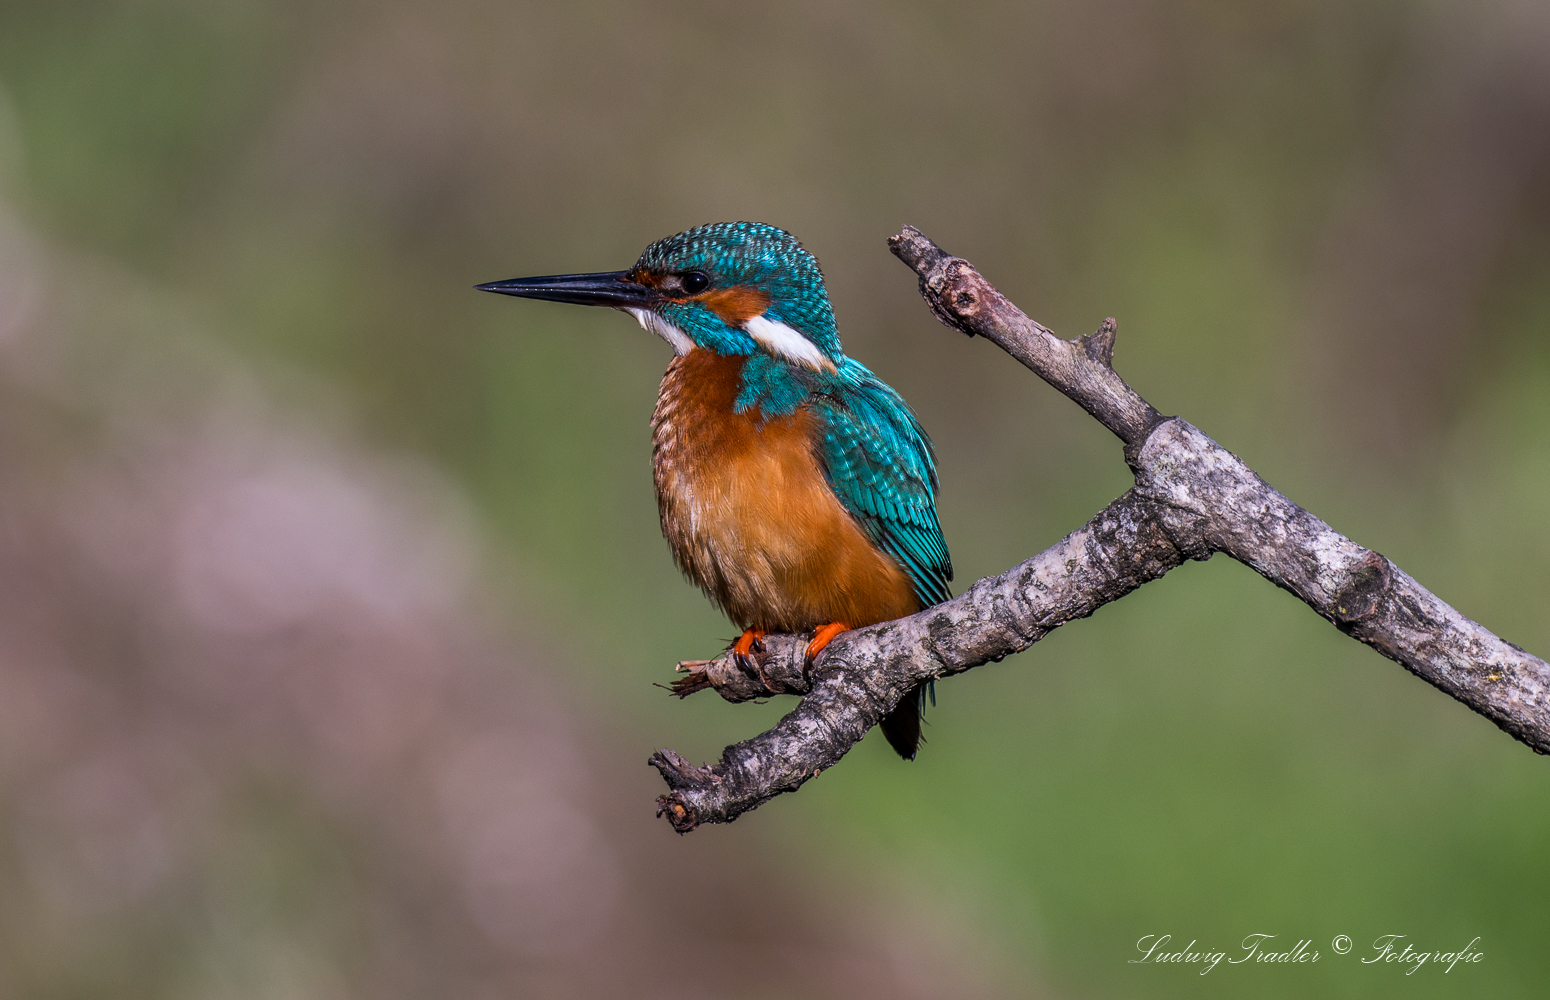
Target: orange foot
point(821, 639)
point(750, 642)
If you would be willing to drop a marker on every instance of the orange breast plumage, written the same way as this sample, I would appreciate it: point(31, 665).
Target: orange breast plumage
point(750, 515)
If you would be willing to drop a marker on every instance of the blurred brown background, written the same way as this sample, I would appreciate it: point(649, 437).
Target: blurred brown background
point(334, 595)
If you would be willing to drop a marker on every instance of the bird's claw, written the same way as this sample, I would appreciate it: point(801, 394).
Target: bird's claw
point(746, 648)
point(821, 639)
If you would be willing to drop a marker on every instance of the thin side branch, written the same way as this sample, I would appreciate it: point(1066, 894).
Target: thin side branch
point(963, 300)
point(1191, 498)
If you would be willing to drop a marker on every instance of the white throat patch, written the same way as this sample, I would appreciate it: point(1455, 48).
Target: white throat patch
point(652, 323)
point(783, 341)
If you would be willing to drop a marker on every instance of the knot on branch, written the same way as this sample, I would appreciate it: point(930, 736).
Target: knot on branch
point(1364, 592)
point(959, 296)
point(952, 288)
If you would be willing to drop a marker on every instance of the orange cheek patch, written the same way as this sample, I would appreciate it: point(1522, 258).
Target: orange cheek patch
point(736, 305)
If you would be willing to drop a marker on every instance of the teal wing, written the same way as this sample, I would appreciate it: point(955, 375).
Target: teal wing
point(881, 467)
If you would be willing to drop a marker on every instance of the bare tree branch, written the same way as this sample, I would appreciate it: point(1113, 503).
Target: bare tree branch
point(1191, 498)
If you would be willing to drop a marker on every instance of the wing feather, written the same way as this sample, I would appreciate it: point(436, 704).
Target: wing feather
point(881, 467)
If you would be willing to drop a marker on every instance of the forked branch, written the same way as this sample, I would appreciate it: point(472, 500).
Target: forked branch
point(1191, 498)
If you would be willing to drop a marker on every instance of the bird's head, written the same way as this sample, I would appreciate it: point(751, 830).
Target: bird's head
point(730, 287)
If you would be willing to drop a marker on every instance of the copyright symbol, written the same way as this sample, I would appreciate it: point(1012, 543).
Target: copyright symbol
point(1341, 944)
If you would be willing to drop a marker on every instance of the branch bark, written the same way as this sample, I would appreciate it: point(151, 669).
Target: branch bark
point(1191, 499)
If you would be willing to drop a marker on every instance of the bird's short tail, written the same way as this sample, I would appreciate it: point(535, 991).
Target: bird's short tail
point(902, 725)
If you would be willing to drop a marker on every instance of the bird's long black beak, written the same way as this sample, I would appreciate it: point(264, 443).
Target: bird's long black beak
point(609, 288)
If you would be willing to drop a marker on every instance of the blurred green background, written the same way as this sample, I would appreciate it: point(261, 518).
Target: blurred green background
point(335, 593)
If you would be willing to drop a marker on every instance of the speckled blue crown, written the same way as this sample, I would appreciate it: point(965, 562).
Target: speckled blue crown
point(752, 253)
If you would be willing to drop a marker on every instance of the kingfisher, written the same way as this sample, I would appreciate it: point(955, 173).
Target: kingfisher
point(794, 486)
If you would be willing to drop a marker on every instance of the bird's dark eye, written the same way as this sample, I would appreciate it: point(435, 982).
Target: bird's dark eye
point(695, 282)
